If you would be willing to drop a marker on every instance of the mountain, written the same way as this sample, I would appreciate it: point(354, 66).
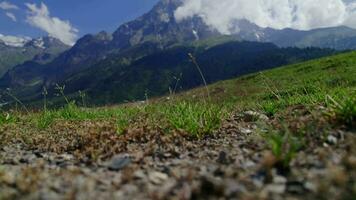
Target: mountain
point(340, 38)
point(42, 50)
point(154, 74)
point(119, 80)
point(105, 56)
point(159, 25)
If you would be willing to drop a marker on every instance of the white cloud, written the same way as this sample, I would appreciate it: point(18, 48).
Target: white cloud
point(40, 17)
point(11, 16)
point(14, 40)
point(297, 14)
point(351, 18)
point(4, 5)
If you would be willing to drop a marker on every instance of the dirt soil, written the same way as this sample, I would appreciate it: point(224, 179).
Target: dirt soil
point(234, 163)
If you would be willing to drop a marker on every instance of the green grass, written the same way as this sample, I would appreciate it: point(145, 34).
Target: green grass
point(306, 83)
point(311, 83)
point(284, 146)
point(6, 118)
point(195, 118)
point(344, 109)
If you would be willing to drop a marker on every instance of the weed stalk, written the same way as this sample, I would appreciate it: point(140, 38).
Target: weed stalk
point(60, 89)
point(194, 60)
point(17, 100)
point(45, 93)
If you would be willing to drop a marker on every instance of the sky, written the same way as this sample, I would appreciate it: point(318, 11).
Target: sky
point(68, 20)
point(74, 18)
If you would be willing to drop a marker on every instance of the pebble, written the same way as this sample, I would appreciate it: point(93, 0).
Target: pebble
point(295, 187)
point(276, 188)
point(157, 177)
point(222, 159)
point(331, 140)
point(279, 180)
point(245, 131)
point(139, 175)
point(250, 116)
point(232, 188)
point(310, 186)
point(119, 162)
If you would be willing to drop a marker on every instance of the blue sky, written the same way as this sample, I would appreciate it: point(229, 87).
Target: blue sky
point(87, 16)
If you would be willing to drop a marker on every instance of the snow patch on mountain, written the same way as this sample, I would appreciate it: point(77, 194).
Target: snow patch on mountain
point(196, 35)
point(39, 43)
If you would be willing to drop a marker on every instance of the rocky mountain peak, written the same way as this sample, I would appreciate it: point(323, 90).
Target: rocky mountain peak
point(103, 35)
point(46, 42)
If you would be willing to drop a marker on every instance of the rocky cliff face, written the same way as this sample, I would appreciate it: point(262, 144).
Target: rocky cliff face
point(159, 25)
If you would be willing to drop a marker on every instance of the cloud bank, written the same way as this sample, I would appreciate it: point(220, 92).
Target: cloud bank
point(14, 41)
point(278, 14)
point(40, 17)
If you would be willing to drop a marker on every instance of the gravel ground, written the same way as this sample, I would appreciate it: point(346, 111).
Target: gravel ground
point(234, 163)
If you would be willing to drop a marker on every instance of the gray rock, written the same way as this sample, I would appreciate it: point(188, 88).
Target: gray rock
point(250, 116)
point(222, 158)
point(140, 175)
point(245, 131)
point(276, 188)
point(331, 140)
point(157, 177)
point(119, 162)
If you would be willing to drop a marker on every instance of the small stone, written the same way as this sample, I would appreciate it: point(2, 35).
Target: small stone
point(279, 180)
point(310, 186)
point(28, 158)
point(157, 177)
point(250, 116)
point(295, 187)
point(232, 188)
point(332, 140)
point(119, 162)
point(245, 131)
point(222, 159)
point(276, 188)
point(139, 175)
point(248, 164)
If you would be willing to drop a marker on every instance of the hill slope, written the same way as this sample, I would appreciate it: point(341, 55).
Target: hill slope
point(286, 133)
point(134, 74)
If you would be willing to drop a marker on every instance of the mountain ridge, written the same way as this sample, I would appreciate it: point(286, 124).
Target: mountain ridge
point(41, 50)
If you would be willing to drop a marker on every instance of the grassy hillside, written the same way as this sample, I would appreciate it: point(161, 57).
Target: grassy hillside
point(293, 129)
point(143, 70)
point(309, 83)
